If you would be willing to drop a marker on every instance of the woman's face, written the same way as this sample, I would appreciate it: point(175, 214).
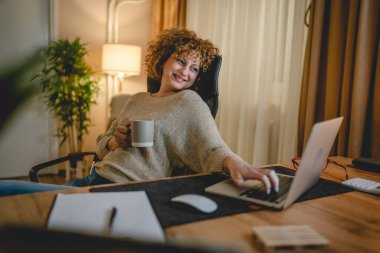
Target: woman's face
point(180, 72)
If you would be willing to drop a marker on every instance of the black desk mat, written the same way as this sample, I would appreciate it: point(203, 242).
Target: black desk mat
point(160, 193)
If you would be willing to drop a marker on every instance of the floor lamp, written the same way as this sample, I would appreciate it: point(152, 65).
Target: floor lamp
point(121, 61)
point(118, 60)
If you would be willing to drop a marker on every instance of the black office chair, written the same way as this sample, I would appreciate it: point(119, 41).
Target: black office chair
point(73, 158)
point(206, 87)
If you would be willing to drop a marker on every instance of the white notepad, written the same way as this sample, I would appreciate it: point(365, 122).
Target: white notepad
point(89, 213)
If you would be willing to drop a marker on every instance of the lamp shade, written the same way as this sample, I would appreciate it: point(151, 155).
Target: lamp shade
point(121, 60)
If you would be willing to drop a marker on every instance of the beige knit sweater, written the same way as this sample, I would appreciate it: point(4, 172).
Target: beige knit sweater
point(185, 134)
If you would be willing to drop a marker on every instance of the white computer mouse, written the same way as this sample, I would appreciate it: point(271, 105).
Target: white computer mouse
point(197, 202)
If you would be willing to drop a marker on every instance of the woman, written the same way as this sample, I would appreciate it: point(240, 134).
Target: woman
point(185, 133)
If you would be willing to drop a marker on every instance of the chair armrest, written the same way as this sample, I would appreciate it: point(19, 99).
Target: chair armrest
point(73, 158)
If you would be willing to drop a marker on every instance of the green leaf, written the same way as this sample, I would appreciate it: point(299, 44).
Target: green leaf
point(69, 87)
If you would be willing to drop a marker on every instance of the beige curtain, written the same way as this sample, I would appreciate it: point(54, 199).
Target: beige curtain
point(167, 14)
point(341, 75)
point(262, 44)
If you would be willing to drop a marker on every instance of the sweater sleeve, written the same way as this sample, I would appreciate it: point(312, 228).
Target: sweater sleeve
point(101, 149)
point(199, 143)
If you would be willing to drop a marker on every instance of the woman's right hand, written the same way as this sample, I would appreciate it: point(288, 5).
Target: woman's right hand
point(121, 137)
point(240, 171)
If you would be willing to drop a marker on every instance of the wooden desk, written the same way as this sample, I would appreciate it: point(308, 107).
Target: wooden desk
point(351, 221)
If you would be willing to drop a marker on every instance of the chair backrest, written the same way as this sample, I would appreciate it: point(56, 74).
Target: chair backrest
point(117, 103)
point(207, 87)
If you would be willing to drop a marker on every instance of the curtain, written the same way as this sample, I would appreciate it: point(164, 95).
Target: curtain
point(167, 14)
point(341, 75)
point(262, 43)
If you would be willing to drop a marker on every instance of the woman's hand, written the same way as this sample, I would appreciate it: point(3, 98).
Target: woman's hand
point(240, 171)
point(121, 137)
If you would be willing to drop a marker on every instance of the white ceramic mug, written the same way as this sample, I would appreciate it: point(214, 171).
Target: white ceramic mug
point(142, 133)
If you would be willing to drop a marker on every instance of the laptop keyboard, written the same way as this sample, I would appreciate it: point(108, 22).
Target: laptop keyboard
point(260, 193)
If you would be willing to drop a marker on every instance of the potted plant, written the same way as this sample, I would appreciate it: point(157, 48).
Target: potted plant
point(69, 89)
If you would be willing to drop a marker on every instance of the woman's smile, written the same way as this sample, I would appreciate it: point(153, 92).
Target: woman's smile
point(179, 78)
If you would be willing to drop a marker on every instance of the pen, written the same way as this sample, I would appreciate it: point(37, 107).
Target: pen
point(110, 221)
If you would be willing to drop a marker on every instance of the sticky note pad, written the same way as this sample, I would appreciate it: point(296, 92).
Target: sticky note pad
point(281, 238)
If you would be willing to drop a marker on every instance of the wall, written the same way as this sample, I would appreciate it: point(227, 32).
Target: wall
point(26, 141)
point(24, 27)
point(87, 19)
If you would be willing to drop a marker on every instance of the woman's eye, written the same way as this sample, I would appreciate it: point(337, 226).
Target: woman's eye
point(195, 70)
point(181, 61)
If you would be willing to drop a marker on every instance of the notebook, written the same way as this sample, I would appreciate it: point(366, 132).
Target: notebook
point(313, 162)
point(91, 213)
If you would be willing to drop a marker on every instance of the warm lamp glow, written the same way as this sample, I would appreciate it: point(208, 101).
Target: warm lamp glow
point(121, 60)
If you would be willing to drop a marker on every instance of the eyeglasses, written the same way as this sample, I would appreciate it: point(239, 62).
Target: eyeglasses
point(296, 162)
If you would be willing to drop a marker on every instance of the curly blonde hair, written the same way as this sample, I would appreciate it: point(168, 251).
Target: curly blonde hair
point(177, 41)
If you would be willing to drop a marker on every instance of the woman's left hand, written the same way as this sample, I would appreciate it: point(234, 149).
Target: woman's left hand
point(240, 171)
point(122, 133)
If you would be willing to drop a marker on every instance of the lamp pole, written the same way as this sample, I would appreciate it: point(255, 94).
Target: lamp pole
point(112, 38)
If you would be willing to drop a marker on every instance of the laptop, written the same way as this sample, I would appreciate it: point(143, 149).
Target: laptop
point(313, 161)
